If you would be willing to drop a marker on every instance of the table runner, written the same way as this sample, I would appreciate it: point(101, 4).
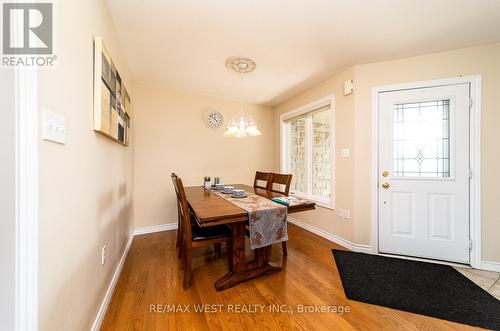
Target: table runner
point(267, 219)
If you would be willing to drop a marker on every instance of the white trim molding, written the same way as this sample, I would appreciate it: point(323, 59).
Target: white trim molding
point(26, 269)
point(111, 288)
point(474, 157)
point(490, 266)
point(155, 228)
point(332, 237)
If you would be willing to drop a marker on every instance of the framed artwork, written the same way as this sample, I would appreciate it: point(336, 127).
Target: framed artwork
point(111, 98)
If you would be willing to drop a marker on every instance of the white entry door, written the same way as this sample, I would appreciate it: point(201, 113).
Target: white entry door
point(424, 173)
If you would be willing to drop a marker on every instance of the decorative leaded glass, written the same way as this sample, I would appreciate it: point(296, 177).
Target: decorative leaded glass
point(322, 153)
point(298, 154)
point(421, 134)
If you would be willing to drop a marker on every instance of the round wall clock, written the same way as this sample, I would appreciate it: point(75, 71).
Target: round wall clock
point(214, 119)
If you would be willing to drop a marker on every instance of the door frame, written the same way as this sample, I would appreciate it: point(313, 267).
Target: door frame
point(26, 240)
point(474, 157)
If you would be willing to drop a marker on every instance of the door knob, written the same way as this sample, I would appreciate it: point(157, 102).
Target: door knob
point(386, 185)
point(385, 173)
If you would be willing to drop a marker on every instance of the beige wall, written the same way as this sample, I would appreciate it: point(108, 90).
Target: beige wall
point(171, 136)
point(482, 61)
point(324, 218)
point(85, 186)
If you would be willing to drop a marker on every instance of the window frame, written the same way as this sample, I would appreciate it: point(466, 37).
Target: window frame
point(285, 144)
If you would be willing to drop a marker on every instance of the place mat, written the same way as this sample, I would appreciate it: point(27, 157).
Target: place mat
point(267, 219)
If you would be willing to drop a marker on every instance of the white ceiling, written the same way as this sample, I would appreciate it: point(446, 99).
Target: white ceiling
point(296, 44)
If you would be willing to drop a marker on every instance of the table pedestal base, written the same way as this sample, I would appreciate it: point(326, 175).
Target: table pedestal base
point(231, 279)
point(239, 269)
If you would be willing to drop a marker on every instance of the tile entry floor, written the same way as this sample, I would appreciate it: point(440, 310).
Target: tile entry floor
point(487, 280)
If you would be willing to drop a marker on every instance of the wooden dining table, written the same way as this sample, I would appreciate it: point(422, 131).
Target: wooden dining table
point(210, 209)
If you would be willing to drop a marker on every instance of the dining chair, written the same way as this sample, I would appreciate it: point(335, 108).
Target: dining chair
point(217, 247)
point(194, 236)
point(284, 181)
point(261, 176)
point(179, 238)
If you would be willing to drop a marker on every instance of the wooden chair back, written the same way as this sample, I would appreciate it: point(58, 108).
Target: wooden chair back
point(261, 176)
point(281, 179)
point(183, 209)
point(174, 178)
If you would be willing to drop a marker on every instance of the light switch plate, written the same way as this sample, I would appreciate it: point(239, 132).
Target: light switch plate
point(54, 127)
point(345, 152)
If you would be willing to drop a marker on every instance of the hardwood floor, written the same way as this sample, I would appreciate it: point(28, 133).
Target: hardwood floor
point(151, 276)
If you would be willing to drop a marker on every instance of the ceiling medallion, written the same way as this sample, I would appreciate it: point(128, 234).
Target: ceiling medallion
point(240, 65)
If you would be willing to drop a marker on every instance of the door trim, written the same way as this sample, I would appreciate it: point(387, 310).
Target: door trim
point(474, 156)
point(26, 288)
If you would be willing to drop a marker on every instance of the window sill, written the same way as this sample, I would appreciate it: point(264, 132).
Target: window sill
point(324, 205)
point(319, 203)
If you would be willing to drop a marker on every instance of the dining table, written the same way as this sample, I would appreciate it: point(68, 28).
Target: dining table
point(210, 209)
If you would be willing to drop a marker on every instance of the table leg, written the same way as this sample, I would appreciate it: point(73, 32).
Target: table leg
point(237, 258)
point(239, 271)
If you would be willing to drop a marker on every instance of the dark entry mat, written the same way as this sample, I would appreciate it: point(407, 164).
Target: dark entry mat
point(419, 287)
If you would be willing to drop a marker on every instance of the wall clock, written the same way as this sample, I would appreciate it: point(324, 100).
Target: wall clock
point(214, 119)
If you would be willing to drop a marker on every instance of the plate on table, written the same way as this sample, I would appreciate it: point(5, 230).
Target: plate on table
point(241, 196)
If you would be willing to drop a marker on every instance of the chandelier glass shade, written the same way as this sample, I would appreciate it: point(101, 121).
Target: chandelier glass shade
point(241, 127)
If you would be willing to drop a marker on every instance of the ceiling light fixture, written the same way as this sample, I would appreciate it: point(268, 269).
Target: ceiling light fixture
point(241, 126)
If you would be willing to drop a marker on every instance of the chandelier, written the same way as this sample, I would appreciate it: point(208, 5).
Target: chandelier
point(241, 126)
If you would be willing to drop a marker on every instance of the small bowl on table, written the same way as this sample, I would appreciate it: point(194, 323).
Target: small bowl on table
point(239, 194)
point(228, 189)
point(219, 186)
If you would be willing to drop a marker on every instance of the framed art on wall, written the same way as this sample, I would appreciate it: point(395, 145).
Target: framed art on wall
point(111, 98)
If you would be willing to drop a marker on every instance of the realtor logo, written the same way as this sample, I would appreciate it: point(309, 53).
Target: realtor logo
point(27, 28)
point(27, 34)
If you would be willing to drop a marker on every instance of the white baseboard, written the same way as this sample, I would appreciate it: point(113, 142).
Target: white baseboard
point(155, 228)
point(109, 292)
point(490, 266)
point(330, 236)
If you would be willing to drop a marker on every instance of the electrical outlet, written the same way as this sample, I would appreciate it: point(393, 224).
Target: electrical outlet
point(104, 253)
point(344, 213)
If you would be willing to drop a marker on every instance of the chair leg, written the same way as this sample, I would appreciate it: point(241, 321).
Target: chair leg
point(283, 247)
point(218, 249)
point(181, 247)
point(188, 276)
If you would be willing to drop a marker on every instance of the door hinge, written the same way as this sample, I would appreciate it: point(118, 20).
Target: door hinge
point(470, 244)
point(470, 103)
point(470, 173)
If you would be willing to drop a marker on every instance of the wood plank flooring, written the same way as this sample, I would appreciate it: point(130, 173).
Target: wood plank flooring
point(152, 276)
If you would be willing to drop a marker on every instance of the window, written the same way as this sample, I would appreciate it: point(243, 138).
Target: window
point(307, 151)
